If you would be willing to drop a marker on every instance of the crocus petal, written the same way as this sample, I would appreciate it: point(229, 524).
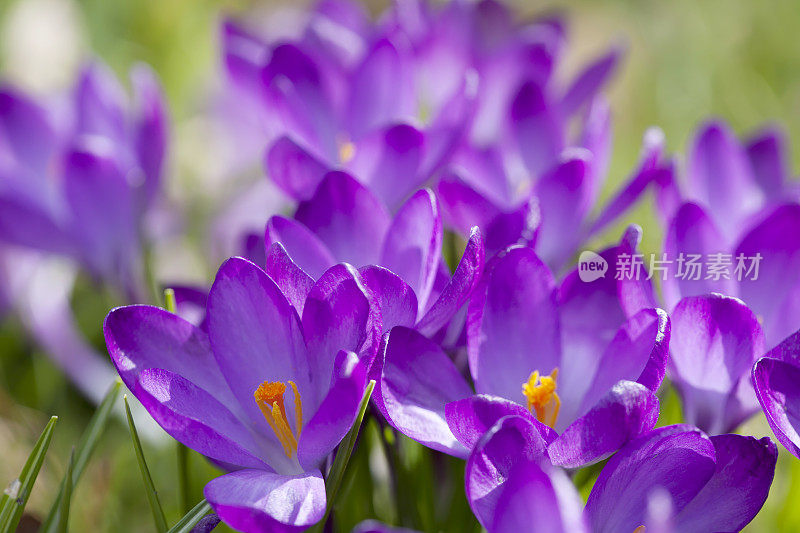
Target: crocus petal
point(296, 171)
point(39, 231)
point(540, 497)
point(589, 82)
point(513, 326)
point(737, 489)
point(388, 162)
point(257, 500)
point(417, 382)
point(413, 245)
point(591, 312)
point(715, 343)
point(563, 197)
point(458, 289)
point(630, 191)
point(150, 129)
point(304, 248)
point(298, 93)
point(512, 441)
point(537, 128)
point(337, 412)
point(347, 217)
point(290, 278)
point(773, 294)
point(194, 417)
point(100, 102)
point(676, 458)
point(243, 56)
point(103, 210)
point(472, 417)
point(776, 384)
point(626, 411)
point(139, 337)
point(395, 299)
point(596, 137)
point(381, 90)
point(692, 233)
point(336, 316)
point(255, 335)
point(191, 303)
point(719, 176)
point(26, 130)
point(767, 153)
point(638, 352)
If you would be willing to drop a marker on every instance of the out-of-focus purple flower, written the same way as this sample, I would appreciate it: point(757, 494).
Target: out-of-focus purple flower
point(346, 105)
point(776, 378)
point(263, 390)
point(674, 478)
point(748, 228)
point(732, 180)
point(715, 341)
point(77, 176)
point(581, 361)
point(76, 179)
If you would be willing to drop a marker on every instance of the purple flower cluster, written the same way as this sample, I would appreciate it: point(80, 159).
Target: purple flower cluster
point(433, 132)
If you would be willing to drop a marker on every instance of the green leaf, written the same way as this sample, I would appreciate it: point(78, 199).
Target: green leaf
point(343, 452)
point(83, 452)
point(185, 524)
point(152, 495)
point(16, 495)
point(65, 496)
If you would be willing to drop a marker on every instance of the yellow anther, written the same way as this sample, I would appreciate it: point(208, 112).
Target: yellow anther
point(347, 151)
point(542, 398)
point(640, 529)
point(269, 398)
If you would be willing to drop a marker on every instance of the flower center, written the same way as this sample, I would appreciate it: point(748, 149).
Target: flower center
point(640, 529)
point(269, 398)
point(346, 151)
point(542, 398)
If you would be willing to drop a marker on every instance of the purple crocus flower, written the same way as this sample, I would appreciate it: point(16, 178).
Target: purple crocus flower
point(400, 257)
point(582, 361)
point(697, 483)
point(264, 391)
point(751, 237)
point(715, 342)
point(733, 181)
point(348, 105)
point(77, 177)
point(776, 377)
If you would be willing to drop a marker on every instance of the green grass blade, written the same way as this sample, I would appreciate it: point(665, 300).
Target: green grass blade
point(16, 495)
point(65, 496)
point(185, 524)
point(152, 495)
point(343, 452)
point(83, 451)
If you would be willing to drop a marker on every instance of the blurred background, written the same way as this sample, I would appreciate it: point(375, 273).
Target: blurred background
point(686, 61)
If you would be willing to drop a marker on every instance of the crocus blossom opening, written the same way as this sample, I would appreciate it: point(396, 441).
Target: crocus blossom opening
point(269, 398)
point(542, 397)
